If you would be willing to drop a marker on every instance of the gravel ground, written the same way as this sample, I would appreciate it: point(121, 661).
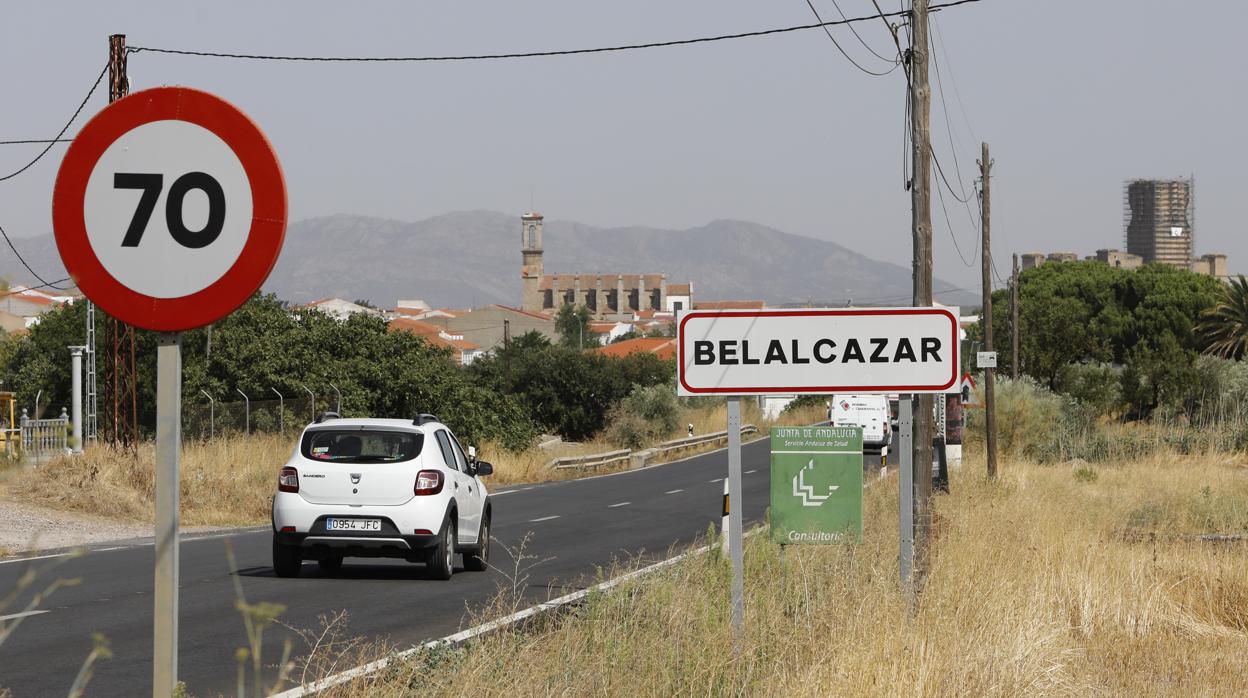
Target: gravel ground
point(26, 527)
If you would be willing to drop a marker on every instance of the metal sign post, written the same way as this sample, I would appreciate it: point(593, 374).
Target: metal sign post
point(735, 550)
point(168, 453)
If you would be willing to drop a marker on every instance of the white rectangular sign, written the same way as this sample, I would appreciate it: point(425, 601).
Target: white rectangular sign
point(817, 351)
point(986, 359)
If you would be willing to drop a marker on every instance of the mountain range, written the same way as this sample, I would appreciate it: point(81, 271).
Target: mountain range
point(472, 258)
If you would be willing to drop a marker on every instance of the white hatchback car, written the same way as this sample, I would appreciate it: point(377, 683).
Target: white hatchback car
point(381, 488)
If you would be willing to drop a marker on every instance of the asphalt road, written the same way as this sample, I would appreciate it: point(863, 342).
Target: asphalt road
point(574, 527)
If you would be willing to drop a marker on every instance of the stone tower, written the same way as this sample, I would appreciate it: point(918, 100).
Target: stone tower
point(531, 269)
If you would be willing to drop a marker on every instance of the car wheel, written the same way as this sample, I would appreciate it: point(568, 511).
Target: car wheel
point(442, 559)
point(330, 564)
point(478, 560)
point(287, 560)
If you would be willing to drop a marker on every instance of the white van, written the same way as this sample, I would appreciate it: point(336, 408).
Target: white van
point(867, 411)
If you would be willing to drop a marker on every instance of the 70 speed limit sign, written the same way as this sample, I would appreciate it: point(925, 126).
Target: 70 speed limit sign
point(170, 209)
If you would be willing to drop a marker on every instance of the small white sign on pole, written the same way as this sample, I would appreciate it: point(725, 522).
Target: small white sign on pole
point(817, 351)
point(986, 359)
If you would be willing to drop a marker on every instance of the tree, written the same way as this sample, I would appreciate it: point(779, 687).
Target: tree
point(572, 324)
point(1224, 327)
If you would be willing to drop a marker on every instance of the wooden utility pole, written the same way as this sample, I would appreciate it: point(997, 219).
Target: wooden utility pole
point(990, 416)
point(1014, 320)
point(921, 229)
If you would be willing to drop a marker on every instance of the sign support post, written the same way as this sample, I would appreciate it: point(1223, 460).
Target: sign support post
point(735, 549)
point(905, 424)
point(168, 447)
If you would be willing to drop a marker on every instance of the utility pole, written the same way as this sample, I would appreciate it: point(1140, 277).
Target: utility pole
point(1014, 320)
point(921, 229)
point(985, 205)
point(120, 359)
point(506, 333)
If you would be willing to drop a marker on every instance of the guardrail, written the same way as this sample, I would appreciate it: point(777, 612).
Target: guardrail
point(689, 441)
point(639, 458)
point(593, 460)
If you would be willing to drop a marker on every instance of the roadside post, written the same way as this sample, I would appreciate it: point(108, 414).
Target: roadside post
point(169, 212)
point(75, 368)
point(809, 351)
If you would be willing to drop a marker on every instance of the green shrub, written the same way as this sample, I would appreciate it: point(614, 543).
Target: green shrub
point(648, 414)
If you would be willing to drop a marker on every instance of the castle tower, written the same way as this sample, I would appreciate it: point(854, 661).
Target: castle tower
point(531, 270)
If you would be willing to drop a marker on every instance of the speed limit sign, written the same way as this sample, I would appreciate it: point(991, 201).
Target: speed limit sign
point(169, 209)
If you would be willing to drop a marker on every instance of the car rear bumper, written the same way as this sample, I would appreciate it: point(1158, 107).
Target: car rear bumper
point(354, 544)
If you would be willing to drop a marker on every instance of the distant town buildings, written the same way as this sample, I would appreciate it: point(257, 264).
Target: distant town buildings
point(607, 296)
point(1157, 220)
point(21, 307)
point(1158, 217)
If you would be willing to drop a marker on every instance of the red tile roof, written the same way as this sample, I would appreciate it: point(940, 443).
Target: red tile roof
point(419, 327)
point(663, 347)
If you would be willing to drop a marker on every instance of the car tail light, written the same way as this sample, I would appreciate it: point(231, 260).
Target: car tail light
point(423, 532)
point(428, 482)
point(288, 480)
point(288, 529)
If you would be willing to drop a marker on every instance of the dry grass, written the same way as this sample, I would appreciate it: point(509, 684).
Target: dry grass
point(1043, 583)
point(225, 482)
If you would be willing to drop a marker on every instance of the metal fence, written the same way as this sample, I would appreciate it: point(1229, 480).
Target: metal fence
point(44, 438)
point(207, 419)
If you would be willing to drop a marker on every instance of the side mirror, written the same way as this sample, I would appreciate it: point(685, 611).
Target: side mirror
point(484, 468)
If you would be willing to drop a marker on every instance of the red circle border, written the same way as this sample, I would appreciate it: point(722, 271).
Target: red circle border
point(268, 198)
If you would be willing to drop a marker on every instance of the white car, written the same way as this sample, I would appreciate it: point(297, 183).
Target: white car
point(381, 488)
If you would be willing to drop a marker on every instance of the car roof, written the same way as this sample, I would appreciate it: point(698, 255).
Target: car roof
point(355, 423)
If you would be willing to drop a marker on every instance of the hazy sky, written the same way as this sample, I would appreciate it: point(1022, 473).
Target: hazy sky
point(1074, 96)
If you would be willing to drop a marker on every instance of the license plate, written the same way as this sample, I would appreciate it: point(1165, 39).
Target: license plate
point(353, 524)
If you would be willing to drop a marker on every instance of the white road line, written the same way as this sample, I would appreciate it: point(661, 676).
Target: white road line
point(673, 491)
point(750, 471)
point(21, 615)
point(40, 557)
point(618, 504)
point(104, 550)
point(544, 518)
point(718, 479)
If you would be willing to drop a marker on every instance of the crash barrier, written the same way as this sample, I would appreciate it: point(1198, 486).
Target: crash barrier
point(640, 458)
point(45, 437)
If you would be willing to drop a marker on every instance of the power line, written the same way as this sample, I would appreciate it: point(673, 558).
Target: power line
point(895, 61)
point(844, 53)
point(37, 141)
point(45, 282)
point(64, 128)
point(948, 224)
point(970, 130)
point(534, 54)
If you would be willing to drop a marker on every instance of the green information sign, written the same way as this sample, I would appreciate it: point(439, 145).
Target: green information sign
point(816, 485)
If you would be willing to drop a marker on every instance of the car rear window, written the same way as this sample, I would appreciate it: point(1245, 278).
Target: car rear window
point(361, 445)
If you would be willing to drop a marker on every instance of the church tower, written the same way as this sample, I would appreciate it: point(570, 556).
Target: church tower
point(531, 253)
